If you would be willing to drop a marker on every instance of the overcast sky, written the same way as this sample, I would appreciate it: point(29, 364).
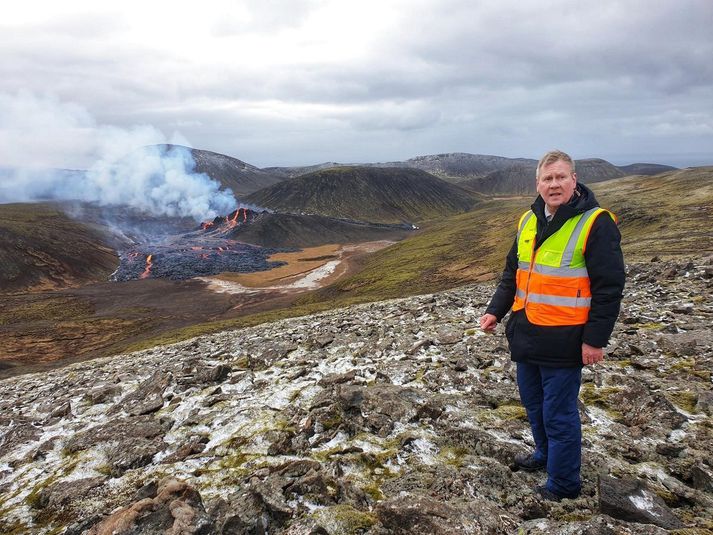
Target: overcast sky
point(293, 82)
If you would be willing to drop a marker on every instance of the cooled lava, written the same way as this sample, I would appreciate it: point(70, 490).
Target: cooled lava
point(207, 250)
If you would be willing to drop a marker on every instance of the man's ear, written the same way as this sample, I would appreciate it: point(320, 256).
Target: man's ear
point(574, 175)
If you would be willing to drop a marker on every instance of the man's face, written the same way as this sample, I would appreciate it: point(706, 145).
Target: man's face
point(556, 184)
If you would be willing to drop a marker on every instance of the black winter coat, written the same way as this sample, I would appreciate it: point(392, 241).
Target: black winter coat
point(562, 346)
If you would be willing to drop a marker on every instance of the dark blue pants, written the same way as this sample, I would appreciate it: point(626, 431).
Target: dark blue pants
point(550, 399)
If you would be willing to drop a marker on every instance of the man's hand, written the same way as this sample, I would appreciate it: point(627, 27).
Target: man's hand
point(488, 323)
point(590, 354)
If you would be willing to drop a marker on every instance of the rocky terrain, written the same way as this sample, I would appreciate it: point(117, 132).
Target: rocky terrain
point(392, 417)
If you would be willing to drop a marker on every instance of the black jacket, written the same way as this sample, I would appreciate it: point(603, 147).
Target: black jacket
point(562, 346)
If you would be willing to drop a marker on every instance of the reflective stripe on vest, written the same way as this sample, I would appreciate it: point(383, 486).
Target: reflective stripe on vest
point(553, 282)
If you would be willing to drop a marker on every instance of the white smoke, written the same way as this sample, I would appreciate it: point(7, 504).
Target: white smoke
point(126, 166)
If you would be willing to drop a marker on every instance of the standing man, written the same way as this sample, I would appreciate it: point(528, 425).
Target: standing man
point(563, 278)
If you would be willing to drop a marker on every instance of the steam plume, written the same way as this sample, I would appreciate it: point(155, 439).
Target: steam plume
point(134, 166)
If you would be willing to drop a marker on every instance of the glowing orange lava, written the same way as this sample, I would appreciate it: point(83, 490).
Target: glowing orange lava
point(206, 225)
point(147, 271)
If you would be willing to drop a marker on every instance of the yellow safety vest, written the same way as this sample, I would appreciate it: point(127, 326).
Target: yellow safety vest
point(553, 283)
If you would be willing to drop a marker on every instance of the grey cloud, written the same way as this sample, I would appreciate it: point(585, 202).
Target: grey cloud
point(497, 77)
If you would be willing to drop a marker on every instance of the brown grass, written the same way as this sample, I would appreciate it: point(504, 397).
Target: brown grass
point(297, 263)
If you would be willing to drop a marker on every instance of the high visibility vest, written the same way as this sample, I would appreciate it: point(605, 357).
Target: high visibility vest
point(553, 282)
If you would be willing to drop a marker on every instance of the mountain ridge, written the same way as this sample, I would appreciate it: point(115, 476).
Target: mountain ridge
point(384, 195)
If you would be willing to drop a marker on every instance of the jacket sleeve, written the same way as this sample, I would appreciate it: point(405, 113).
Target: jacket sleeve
point(504, 295)
point(605, 265)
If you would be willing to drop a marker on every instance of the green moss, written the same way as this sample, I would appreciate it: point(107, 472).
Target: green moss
point(418, 378)
point(376, 462)
point(599, 397)
point(345, 520)
point(707, 529)
point(684, 400)
point(511, 412)
point(333, 419)
point(242, 362)
point(651, 326)
point(373, 491)
point(453, 455)
point(689, 366)
point(13, 529)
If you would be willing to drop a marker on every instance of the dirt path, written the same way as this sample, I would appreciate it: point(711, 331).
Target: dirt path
point(304, 270)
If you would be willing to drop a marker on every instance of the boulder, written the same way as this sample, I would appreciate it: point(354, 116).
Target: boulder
point(633, 501)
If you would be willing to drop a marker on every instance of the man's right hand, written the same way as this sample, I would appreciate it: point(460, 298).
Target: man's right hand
point(488, 323)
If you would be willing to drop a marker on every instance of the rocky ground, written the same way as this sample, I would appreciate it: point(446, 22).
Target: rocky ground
point(392, 417)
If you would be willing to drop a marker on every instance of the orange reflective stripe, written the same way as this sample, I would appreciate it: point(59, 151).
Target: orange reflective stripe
point(556, 315)
point(563, 286)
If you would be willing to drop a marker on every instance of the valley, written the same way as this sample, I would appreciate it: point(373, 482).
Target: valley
point(177, 278)
point(314, 365)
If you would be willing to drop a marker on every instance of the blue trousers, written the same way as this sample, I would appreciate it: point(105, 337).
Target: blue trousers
point(549, 396)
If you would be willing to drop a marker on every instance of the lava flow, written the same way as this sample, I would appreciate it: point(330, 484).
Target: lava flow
point(147, 271)
point(207, 250)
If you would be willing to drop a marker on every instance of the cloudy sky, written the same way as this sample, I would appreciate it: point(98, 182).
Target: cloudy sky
point(292, 82)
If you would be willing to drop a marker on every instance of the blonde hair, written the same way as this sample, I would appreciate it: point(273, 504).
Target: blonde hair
point(552, 157)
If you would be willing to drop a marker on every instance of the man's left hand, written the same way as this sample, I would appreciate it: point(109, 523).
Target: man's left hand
point(591, 355)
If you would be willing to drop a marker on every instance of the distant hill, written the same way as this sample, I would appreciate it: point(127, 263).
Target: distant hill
point(459, 166)
point(385, 195)
point(520, 179)
point(645, 168)
point(491, 175)
point(451, 167)
point(294, 230)
point(232, 173)
point(654, 219)
point(291, 172)
point(42, 249)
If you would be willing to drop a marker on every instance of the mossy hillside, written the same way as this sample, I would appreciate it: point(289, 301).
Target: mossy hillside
point(666, 215)
point(656, 218)
point(471, 247)
point(384, 195)
point(42, 307)
point(42, 248)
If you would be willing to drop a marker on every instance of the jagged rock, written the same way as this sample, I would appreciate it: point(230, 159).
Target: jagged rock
point(240, 514)
point(102, 394)
point(449, 335)
point(705, 402)
point(146, 398)
point(63, 410)
point(338, 378)
point(320, 342)
point(130, 452)
point(598, 525)
point(65, 493)
point(149, 490)
point(177, 508)
point(124, 430)
point(215, 374)
point(418, 345)
point(20, 432)
point(194, 445)
point(632, 501)
point(421, 515)
point(702, 478)
point(386, 411)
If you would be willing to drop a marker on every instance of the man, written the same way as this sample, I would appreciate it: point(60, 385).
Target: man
point(563, 278)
